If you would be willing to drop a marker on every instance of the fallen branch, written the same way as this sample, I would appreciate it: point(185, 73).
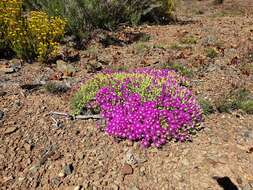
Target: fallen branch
point(73, 117)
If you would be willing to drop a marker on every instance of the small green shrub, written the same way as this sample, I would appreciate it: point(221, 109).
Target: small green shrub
point(189, 40)
point(246, 106)
point(178, 67)
point(160, 46)
point(237, 99)
point(206, 106)
point(86, 15)
point(140, 48)
point(176, 46)
point(33, 35)
point(144, 38)
point(211, 53)
point(87, 92)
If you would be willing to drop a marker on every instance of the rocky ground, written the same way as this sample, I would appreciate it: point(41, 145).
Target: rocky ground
point(36, 153)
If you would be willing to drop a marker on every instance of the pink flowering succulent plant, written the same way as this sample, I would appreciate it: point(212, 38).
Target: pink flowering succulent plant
point(148, 105)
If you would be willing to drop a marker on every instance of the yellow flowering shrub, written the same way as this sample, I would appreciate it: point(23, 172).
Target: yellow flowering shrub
point(45, 31)
point(10, 11)
point(33, 35)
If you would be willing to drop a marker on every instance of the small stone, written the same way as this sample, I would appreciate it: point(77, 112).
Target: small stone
point(142, 171)
point(56, 181)
point(246, 187)
point(8, 70)
point(68, 169)
point(209, 41)
point(3, 93)
point(78, 187)
point(81, 156)
point(10, 130)
point(1, 114)
point(239, 180)
point(130, 158)
point(56, 156)
point(61, 174)
point(20, 179)
point(130, 143)
point(127, 169)
point(27, 147)
point(34, 169)
point(17, 103)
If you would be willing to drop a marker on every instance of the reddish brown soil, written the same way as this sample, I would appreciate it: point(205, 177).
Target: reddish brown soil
point(33, 152)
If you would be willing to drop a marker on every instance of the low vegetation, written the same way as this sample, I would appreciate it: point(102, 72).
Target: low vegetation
point(31, 35)
point(144, 105)
point(86, 15)
point(236, 99)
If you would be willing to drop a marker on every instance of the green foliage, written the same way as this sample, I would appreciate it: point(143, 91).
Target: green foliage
point(86, 15)
point(176, 46)
point(144, 38)
point(140, 48)
point(160, 46)
point(247, 106)
point(238, 99)
point(33, 35)
point(211, 53)
point(206, 106)
point(88, 91)
point(182, 69)
point(189, 40)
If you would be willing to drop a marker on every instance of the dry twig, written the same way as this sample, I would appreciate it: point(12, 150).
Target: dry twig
point(81, 117)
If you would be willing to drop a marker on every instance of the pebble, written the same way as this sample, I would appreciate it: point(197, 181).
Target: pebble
point(248, 135)
point(34, 169)
point(142, 171)
point(246, 187)
point(10, 130)
point(239, 180)
point(68, 169)
point(130, 158)
point(8, 70)
point(3, 93)
point(127, 169)
point(56, 156)
point(61, 174)
point(56, 181)
point(80, 156)
point(78, 187)
point(1, 114)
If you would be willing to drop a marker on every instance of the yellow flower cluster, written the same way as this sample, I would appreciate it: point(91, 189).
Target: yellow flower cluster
point(46, 30)
point(35, 34)
point(10, 10)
